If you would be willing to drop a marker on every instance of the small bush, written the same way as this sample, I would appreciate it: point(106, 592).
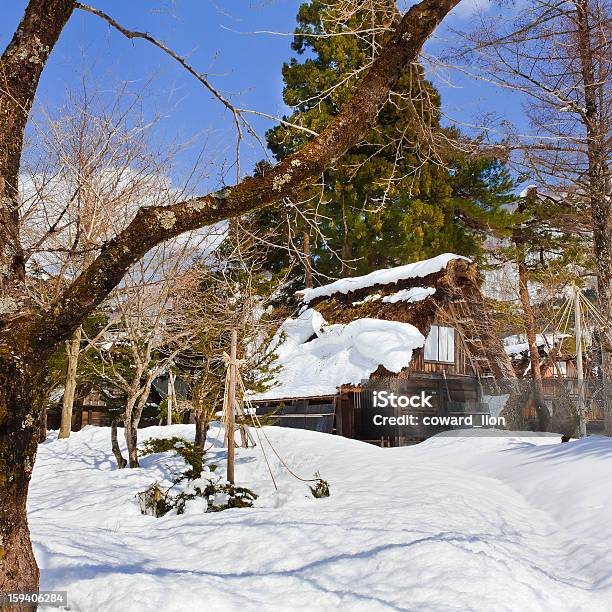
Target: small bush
point(233, 497)
point(156, 502)
point(320, 488)
point(193, 456)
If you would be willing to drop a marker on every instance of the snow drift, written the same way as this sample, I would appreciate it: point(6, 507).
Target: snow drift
point(501, 523)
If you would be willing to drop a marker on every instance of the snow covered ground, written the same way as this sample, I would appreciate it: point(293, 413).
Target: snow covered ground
point(455, 523)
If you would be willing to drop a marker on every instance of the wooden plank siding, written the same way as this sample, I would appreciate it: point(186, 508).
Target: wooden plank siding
point(353, 405)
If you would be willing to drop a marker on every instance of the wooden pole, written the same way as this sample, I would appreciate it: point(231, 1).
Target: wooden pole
point(231, 400)
point(579, 367)
point(170, 396)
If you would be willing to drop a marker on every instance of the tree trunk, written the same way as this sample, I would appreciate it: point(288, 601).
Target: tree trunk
point(22, 376)
point(42, 435)
point(131, 439)
point(22, 384)
point(72, 350)
point(121, 462)
point(201, 415)
point(130, 432)
point(534, 352)
point(201, 432)
point(307, 262)
point(133, 412)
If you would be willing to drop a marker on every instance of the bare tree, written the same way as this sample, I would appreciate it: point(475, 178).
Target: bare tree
point(90, 171)
point(230, 290)
point(30, 333)
point(149, 329)
point(557, 55)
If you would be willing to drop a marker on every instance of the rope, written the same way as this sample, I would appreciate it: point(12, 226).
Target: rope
point(265, 456)
point(598, 316)
point(213, 444)
point(258, 426)
point(255, 420)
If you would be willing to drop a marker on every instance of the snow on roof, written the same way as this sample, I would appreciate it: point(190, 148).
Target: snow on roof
point(315, 358)
point(515, 345)
point(418, 269)
point(414, 294)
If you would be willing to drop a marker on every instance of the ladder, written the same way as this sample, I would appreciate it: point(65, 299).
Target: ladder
point(470, 332)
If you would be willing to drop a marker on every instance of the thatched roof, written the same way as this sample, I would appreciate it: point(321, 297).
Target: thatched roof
point(353, 328)
point(413, 299)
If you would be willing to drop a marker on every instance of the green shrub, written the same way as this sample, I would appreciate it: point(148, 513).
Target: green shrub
point(156, 502)
point(237, 497)
point(191, 454)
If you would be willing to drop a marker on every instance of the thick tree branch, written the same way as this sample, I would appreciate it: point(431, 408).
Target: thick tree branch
point(157, 224)
point(21, 65)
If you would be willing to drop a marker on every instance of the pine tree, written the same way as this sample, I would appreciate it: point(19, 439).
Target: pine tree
point(379, 207)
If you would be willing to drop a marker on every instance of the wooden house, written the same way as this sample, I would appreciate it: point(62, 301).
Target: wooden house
point(421, 327)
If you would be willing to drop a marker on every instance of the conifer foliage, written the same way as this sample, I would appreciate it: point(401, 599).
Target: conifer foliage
point(395, 197)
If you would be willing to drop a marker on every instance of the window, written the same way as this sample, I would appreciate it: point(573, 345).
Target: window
point(561, 369)
point(440, 344)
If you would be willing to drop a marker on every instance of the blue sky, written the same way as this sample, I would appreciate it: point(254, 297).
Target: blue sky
point(243, 66)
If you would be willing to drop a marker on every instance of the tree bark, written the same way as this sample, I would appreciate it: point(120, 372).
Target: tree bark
point(131, 434)
point(22, 382)
point(201, 430)
point(22, 375)
point(133, 412)
point(121, 462)
point(72, 350)
point(201, 415)
point(42, 435)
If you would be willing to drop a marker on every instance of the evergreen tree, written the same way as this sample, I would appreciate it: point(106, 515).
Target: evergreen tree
point(387, 201)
